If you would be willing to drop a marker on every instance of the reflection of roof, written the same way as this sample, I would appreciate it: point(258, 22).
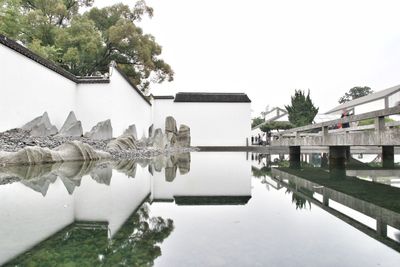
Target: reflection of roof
point(366, 99)
point(211, 200)
point(212, 97)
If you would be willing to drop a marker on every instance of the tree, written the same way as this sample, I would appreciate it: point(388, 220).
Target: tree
point(256, 121)
point(355, 93)
point(276, 125)
point(302, 110)
point(85, 44)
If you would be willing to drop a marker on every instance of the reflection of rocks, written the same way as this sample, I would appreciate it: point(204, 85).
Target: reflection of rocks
point(183, 161)
point(71, 126)
point(183, 138)
point(71, 151)
point(40, 176)
point(102, 174)
point(126, 166)
point(40, 126)
point(101, 131)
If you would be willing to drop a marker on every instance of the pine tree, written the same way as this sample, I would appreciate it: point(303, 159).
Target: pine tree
point(302, 110)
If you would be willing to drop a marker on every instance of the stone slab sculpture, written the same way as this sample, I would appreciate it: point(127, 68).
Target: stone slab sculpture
point(70, 151)
point(124, 142)
point(151, 131)
point(131, 130)
point(40, 126)
point(160, 140)
point(71, 126)
point(101, 131)
point(171, 130)
point(183, 138)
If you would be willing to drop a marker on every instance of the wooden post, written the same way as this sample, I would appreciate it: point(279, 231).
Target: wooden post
point(380, 124)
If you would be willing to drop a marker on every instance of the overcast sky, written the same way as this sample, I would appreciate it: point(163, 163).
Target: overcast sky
point(268, 49)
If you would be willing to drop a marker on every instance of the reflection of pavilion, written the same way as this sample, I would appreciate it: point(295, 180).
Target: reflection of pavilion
point(105, 194)
point(368, 206)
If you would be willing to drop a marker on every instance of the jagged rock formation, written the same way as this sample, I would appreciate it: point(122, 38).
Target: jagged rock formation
point(159, 140)
point(183, 161)
point(183, 138)
point(70, 151)
point(124, 142)
point(71, 126)
point(40, 126)
point(131, 130)
point(101, 131)
point(151, 131)
point(170, 130)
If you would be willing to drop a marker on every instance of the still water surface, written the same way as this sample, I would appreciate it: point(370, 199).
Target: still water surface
point(198, 209)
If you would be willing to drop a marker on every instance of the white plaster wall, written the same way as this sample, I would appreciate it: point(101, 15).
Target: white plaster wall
point(211, 124)
point(117, 101)
point(28, 89)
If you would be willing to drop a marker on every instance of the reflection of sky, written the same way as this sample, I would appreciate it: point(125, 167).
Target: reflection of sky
point(267, 231)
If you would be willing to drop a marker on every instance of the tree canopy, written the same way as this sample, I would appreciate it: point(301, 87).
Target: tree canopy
point(355, 93)
point(302, 110)
point(276, 125)
point(256, 121)
point(85, 44)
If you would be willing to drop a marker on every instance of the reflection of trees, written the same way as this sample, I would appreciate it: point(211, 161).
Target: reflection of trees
point(264, 171)
point(300, 202)
point(135, 244)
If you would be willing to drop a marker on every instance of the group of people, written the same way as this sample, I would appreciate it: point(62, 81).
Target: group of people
point(260, 139)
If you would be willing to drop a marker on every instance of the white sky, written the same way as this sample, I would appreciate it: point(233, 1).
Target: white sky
point(269, 48)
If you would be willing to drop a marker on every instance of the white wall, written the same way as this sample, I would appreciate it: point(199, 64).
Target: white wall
point(28, 89)
point(117, 101)
point(211, 124)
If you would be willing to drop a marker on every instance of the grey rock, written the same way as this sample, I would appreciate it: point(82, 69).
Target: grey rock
point(183, 138)
point(101, 131)
point(40, 126)
point(159, 140)
point(131, 130)
point(71, 126)
point(151, 131)
point(170, 125)
point(102, 174)
point(124, 142)
point(183, 161)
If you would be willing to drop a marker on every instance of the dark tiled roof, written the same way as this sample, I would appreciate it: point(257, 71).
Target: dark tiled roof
point(163, 97)
point(211, 200)
point(212, 97)
point(47, 63)
point(132, 85)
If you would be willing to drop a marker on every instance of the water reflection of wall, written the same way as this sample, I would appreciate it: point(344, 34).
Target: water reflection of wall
point(211, 175)
point(36, 208)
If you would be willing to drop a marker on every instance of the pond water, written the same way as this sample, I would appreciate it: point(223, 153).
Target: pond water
point(199, 209)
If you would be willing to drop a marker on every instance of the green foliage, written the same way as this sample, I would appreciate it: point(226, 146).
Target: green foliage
point(355, 93)
point(302, 110)
point(85, 44)
point(276, 125)
point(256, 121)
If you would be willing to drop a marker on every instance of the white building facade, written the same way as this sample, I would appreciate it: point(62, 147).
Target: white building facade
point(31, 85)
